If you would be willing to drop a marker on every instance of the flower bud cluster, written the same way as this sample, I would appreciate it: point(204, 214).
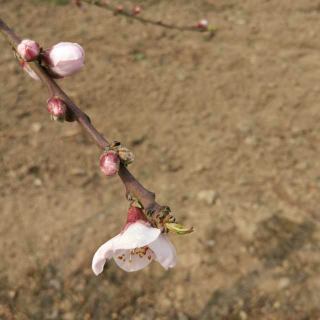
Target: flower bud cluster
point(110, 160)
point(62, 60)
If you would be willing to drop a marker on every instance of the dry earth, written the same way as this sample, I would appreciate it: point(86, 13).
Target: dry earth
point(225, 131)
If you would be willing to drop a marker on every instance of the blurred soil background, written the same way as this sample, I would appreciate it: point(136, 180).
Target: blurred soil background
point(226, 132)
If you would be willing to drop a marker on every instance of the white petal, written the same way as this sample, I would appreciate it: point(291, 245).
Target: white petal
point(137, 262)
point(104, 252)
point(164, 251)
point(136, 236)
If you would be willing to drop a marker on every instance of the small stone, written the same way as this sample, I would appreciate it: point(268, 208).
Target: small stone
point(36, 127)
point(283, 283)
point(208, 196)
point(54, 283)
point(250, 140)
point(69, 316)
point(211, 243)
point(243, 315)
point(277, 305)
point(240, 22)
point(37, 182)
point(12, 294)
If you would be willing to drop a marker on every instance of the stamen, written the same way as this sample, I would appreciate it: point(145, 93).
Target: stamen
point(149, 257)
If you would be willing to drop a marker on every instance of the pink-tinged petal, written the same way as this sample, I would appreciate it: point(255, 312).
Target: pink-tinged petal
point(130, 261)
point(136, 236)
point(29, 71)
point(104, 252)
point(164, 251)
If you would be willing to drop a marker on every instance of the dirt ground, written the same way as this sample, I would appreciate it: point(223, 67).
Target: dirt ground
point(224, 130)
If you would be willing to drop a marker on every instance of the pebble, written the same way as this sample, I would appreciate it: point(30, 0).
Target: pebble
point(54, 283)
point(211, 243)
point(250, 140)
point(69, 316)
point(208, 196)
point(37, 182)
point(243, 315)
point(12, 294)
point(36, 127)
point(283, 283)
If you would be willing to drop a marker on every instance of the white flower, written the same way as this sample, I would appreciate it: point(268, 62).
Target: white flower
point(64, 59)
point(136, 246)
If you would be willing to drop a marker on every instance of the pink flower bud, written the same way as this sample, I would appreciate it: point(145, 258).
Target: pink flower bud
point(119, 10)
point(202, 24)
point(57, 108)
point(109, 163)
point(64, 59)
point(137, 10)
point(28, 50)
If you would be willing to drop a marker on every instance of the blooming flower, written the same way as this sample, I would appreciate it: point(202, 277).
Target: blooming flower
point(28, 49)
point(136, 246)
point(64, 59)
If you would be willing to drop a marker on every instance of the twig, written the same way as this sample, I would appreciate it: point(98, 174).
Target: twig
point(132, 16)
point(134, 188)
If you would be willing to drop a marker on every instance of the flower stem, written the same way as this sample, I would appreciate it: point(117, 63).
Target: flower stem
point(133, 16)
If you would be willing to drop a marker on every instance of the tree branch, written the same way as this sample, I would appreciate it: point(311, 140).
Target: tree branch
point(132, 16)
point(134, 189)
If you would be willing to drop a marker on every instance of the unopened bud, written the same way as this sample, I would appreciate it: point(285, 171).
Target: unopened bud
point(57, 108)
point(64, 59)
point(118, 10)
point(28, 50)
point(202, 24)
point(137, 10)
point(109, 163)
point(125, 155)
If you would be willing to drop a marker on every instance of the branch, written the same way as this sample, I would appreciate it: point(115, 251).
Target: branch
point(120, 11)
point(134, 189)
